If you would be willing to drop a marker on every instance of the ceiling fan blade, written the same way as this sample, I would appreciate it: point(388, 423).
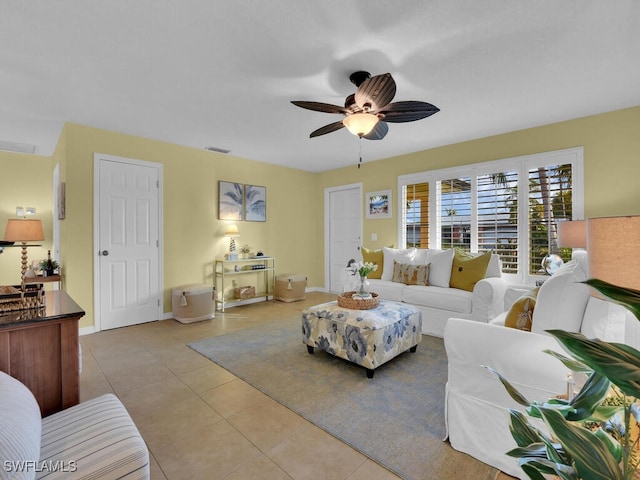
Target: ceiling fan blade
point(320, 107)
point(376, 92)
point(332, 127)
point(378, 132)
point(400, 112)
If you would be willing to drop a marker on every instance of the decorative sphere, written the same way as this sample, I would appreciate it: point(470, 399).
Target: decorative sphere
point(552, 263)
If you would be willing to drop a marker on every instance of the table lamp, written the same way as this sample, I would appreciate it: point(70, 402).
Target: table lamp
point(232, 232)
point(23, 230)
point(613, 244)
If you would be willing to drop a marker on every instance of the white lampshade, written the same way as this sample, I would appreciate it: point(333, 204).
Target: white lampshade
point(613, 244)
point(572, 234)
point(232, 231)
point(360, 123)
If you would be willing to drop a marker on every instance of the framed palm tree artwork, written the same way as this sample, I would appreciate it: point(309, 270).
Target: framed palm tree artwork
point(255, 203)
point(230, 197)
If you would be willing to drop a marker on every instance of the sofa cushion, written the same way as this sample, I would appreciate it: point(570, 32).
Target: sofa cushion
point(387, 290)
point(401, 255)
point(99, 436)
point(410, 274)
point(520, 314)
point(468, 269)
point(20, 426)
point(451, 299)
point(440, 270)
point(377, 258)
point(562, 300)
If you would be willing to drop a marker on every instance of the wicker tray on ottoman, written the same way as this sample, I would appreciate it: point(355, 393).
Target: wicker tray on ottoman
point(345, 300)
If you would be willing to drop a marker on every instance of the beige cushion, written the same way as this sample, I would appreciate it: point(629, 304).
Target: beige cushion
point(520, 314)
point(99, 436)
point(20, 426)
point(468, 269)
point(410, 274)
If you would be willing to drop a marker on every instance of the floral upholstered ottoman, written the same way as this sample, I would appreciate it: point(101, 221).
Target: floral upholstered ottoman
point(365, 337)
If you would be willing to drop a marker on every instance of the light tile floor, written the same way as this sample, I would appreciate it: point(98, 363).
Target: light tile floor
point(202, 422)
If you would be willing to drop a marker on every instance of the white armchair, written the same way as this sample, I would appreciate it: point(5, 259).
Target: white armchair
point(477, 405)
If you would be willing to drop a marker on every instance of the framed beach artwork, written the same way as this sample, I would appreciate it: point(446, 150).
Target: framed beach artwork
point(378, 204)
point(255, 203)
point(230, 196)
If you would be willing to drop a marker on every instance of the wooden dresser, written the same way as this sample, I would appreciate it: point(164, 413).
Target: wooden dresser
point(41, 350)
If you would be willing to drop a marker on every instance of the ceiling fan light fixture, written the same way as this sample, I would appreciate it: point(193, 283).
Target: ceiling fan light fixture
point(360, 123)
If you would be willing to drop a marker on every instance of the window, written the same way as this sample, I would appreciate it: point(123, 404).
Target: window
point(508, 206)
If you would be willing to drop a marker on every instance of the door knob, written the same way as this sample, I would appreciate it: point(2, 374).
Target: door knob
point(104, 253)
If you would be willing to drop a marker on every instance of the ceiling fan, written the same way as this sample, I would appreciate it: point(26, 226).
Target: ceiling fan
point(367, 111)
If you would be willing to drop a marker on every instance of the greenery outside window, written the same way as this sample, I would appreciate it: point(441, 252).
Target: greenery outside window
point(510, 206)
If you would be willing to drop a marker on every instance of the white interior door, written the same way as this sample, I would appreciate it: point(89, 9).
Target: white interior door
point(343, 231)
point(128, 242)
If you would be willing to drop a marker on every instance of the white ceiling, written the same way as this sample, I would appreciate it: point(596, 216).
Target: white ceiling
point(222, 73)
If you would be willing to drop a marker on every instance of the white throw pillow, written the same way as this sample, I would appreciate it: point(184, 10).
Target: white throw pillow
point(562, 300)
point(494, 269)
point(421, 256)
point(440, 270)
point(400, 255)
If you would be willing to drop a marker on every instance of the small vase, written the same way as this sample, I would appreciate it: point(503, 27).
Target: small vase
point(363, 286)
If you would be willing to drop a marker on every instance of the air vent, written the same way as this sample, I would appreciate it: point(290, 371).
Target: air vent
point(216, 149)
point(17, 147)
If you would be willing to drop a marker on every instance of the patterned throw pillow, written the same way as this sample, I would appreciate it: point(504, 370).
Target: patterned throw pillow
point(410, 274)
point(520, 314)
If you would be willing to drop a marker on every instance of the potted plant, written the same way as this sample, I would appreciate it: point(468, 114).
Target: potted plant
point(594, 434)
point(48, 269)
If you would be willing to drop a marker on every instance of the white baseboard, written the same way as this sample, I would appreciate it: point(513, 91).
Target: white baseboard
point(87, 330)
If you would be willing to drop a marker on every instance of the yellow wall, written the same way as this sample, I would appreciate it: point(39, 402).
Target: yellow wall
point(25, 181)
point(294, 229)
point(611, 159)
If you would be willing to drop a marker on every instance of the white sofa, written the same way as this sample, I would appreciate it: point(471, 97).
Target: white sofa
point(438, 302)
point(94, 439)
point(477, 405)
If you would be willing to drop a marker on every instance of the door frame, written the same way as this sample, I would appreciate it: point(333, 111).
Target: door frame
point(327, 224)
point(97, 158)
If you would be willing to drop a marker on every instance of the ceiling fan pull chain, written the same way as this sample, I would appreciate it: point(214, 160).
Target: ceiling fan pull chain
point(360, 150)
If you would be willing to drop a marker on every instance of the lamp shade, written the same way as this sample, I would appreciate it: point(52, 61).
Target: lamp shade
point(572, 234)
point(613, 244)
point(23, 230)
point(360, 123)
point(232, 231)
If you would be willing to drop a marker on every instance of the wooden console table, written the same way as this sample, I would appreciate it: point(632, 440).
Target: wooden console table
point(40, 348)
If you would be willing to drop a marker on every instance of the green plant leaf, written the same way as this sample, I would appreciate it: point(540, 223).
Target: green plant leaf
point(591, 455)
point(521, 430)
point(511, 390)
point(571, 363)
point(618, 362)
point(614, 447)
point(535, 450)
point(589, 397)
point(623, 296)
point(538, 467)
point(532, 471)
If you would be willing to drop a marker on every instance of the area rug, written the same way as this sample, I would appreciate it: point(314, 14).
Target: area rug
point(395, 418)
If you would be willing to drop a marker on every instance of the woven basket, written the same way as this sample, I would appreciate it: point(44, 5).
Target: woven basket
point(345, 301)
